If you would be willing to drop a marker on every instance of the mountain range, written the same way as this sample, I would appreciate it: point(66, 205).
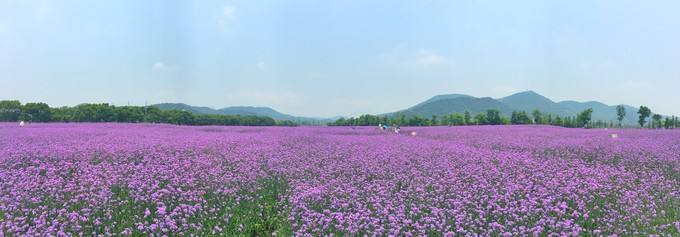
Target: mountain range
point(445, 104)
point(244, 110)
point(526, 101)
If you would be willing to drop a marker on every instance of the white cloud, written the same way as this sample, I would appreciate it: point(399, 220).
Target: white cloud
point(43, 10)
point(260, 65)
point(228, 11)
point(426, 58)
point(162, 67)
point(422, 57)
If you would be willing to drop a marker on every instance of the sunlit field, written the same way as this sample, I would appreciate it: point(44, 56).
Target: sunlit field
point(144, 179)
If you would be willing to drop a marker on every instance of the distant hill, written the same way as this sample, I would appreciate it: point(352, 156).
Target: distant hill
point(601, 111)
point(185, 107)
point(259, 111)
point(444, 104)
point(527, 101)
point(243, 110)
point(445, 97)
point(454, 105)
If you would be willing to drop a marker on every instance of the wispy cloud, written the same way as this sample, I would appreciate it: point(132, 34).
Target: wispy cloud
point(43, 10)
point(228, 11)
point(162, 67)
point(260, 65)
point(426, 57)
point(421, 57)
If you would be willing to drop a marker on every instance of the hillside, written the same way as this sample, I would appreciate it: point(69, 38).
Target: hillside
point(527, 101)
point(243, 110)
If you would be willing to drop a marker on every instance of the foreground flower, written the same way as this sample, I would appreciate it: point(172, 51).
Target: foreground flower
point(142, 179)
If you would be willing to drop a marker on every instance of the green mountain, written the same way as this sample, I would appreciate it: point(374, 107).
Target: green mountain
point(445, 104)
point(185, 107)
point(527, 101)
point(445, 97)
point(259, 111)
point(454, 105)
point(601, 111)
point(243, 110)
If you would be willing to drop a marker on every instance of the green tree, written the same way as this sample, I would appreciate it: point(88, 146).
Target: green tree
point(558, 121)
point(538, 117)
point(644, 113)
point(520, 117)
point(457, 119)
point(668, 123)
point(493, 117)
point(583, 118)
point(10, 110)
point(152, 114)
point(128, 114)
point(62, 114)
point(178, 117)
point(417, 121)
point(41, 112)
point(480, 119)
point(36, 112)
point(656, 118)
point(620, 114)
point(402, 119)
point(467, 118)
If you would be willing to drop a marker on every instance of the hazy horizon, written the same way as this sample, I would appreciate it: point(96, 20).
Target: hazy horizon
point(322, 59)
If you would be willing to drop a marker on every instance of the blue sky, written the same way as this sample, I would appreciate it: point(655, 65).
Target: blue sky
point(326, 58)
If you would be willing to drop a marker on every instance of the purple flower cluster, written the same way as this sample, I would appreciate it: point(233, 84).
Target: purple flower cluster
point(127, 179)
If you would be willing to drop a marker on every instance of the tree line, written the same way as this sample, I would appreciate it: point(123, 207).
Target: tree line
point(656, 121)
point(12, 110)
point(493, 117)
point(490, 117)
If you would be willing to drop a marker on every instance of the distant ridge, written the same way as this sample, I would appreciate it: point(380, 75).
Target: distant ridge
point(442, 105)
point(526, 101)
point(243, 110)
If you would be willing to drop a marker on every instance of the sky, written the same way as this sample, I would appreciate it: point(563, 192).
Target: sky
point(328, 58)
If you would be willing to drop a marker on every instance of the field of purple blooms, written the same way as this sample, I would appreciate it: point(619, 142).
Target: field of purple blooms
point(143, 179)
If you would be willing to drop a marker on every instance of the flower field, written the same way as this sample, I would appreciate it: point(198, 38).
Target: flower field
point(144, 179)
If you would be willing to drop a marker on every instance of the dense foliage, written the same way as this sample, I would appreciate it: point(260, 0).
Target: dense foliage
point(41, 112)
point(155, 180)
point(492, 117)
